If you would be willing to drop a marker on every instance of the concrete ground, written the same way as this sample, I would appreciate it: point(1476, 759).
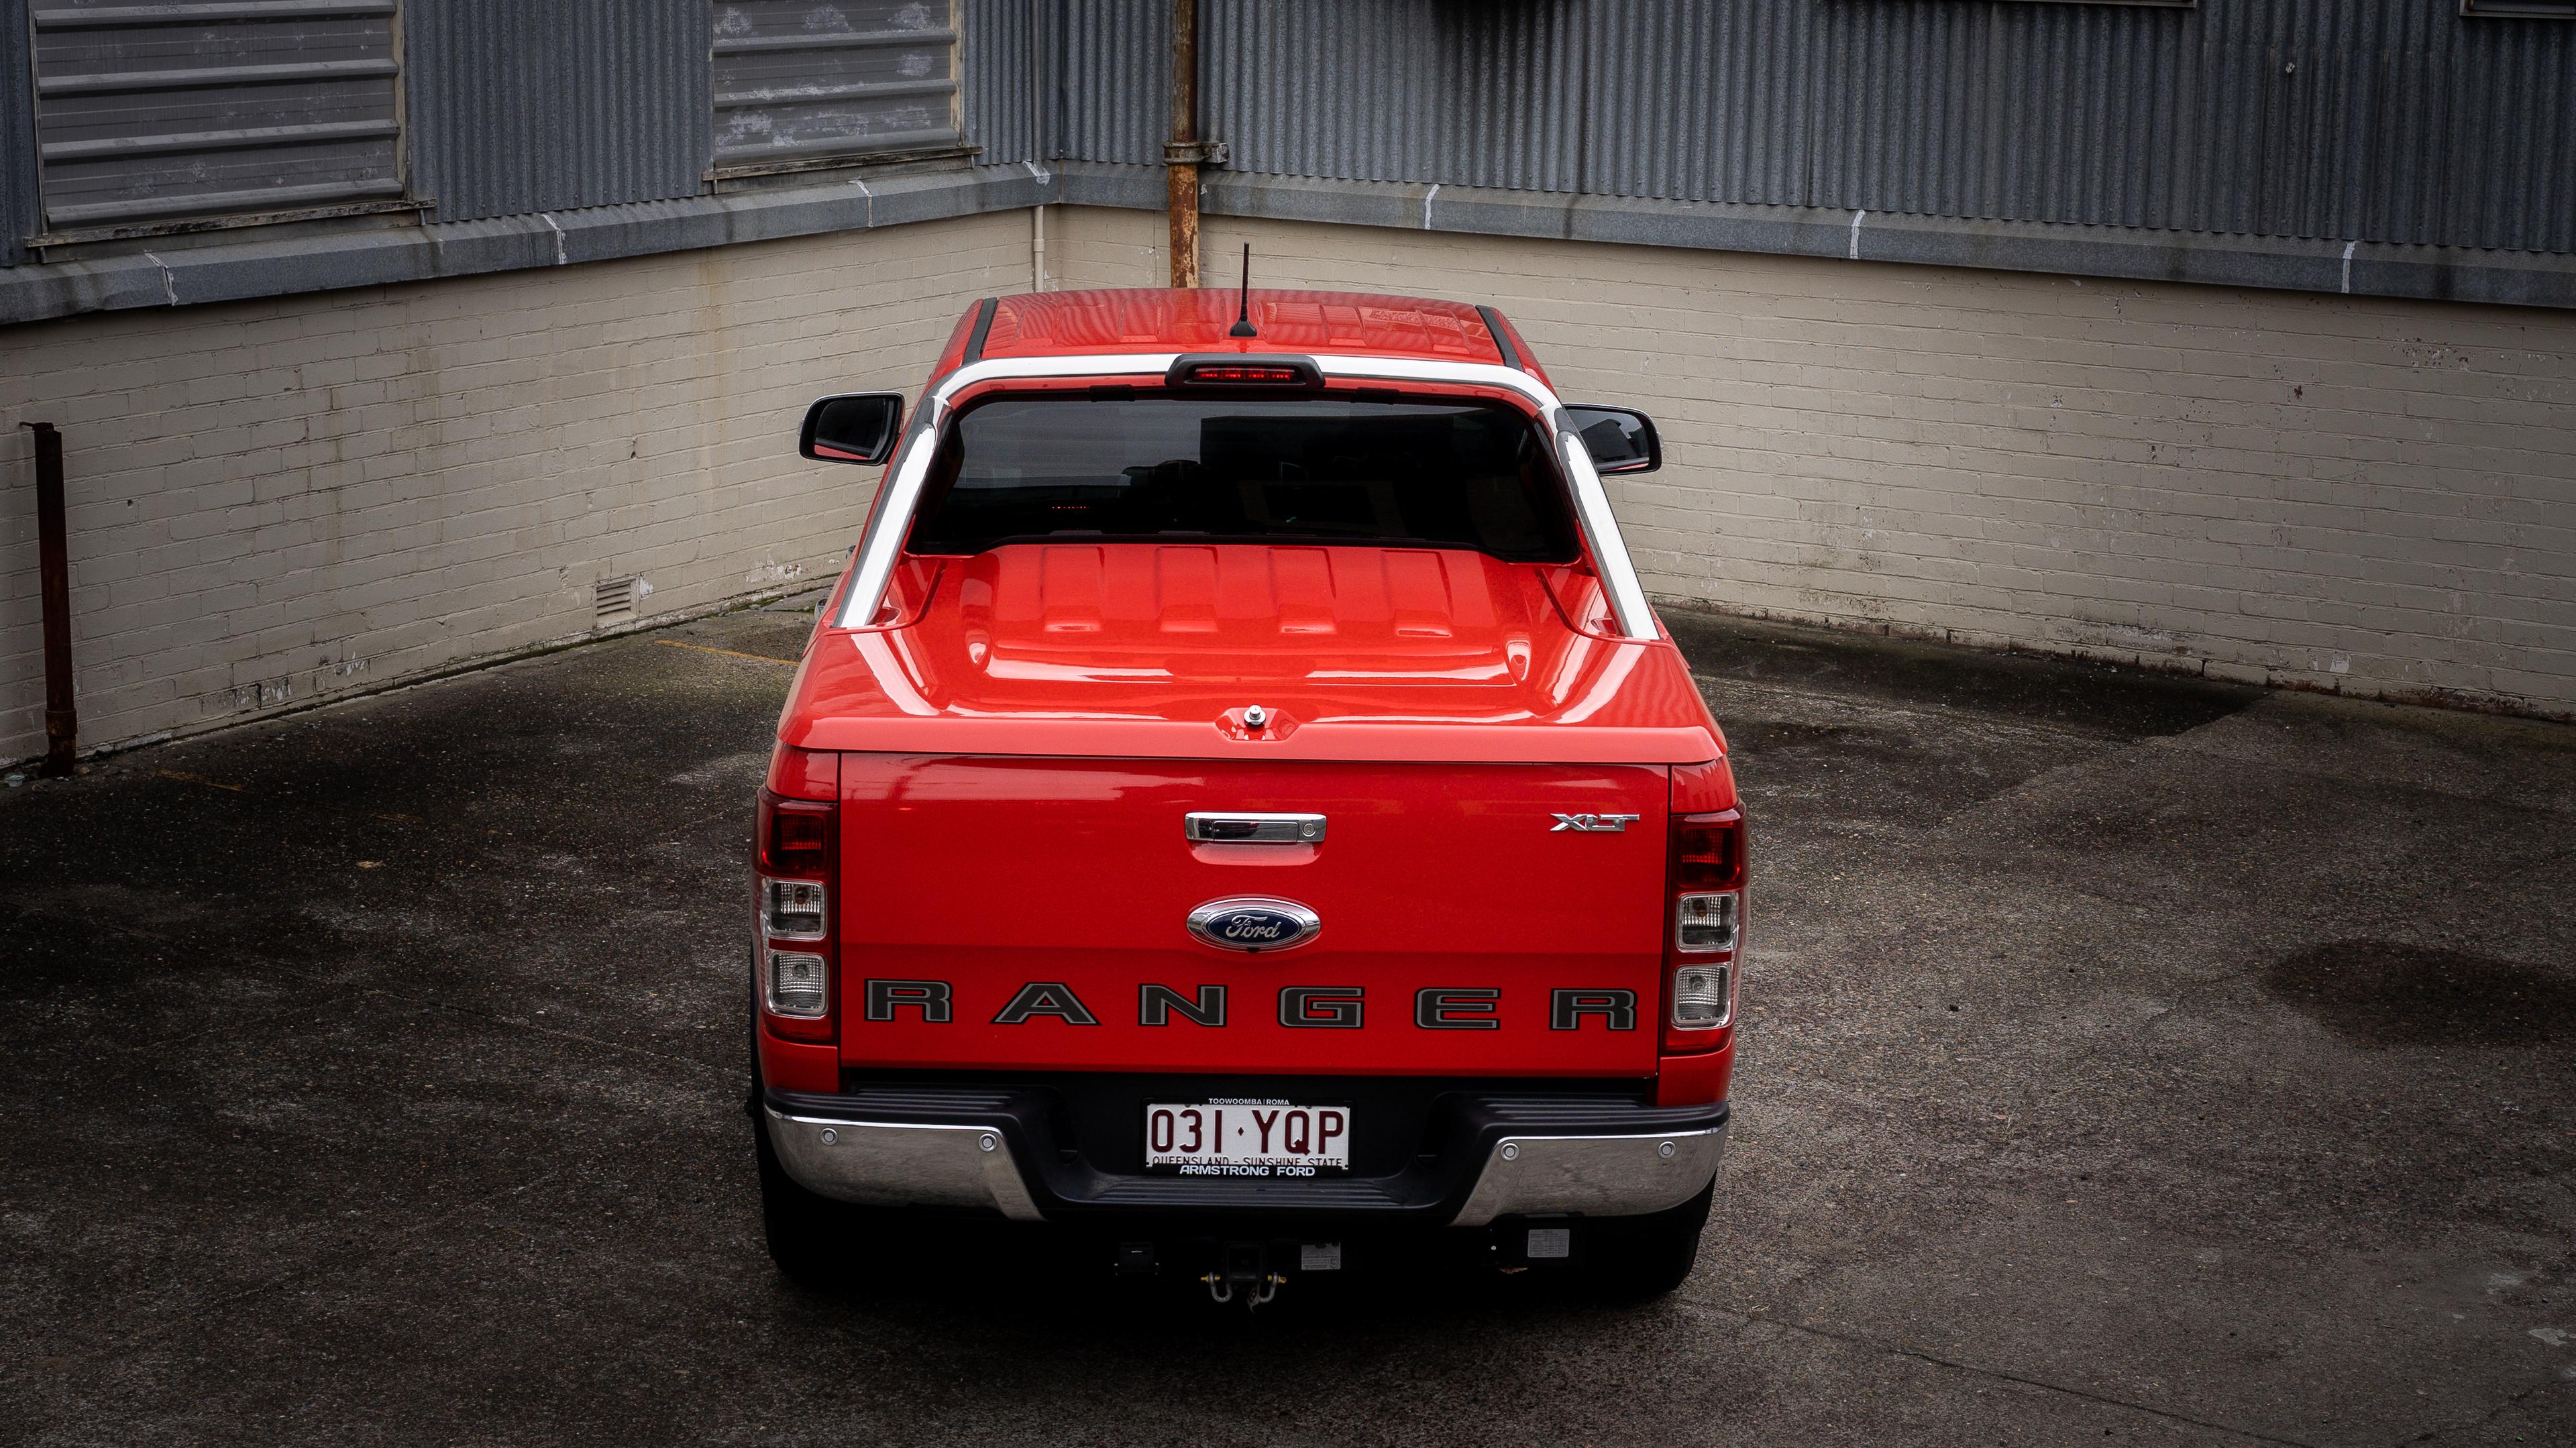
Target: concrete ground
point(2125, 1060)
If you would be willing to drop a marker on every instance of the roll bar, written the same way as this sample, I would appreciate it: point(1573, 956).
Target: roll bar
point(882, 543)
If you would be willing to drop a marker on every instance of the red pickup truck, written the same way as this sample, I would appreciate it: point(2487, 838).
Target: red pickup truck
point(1239, 803)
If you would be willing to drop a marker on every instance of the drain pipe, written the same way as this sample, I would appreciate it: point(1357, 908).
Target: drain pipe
point(54, 570)
point(1184, 153)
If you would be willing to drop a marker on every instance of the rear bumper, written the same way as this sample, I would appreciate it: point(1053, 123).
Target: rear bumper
point(900, 1163)
point(1005, 1151)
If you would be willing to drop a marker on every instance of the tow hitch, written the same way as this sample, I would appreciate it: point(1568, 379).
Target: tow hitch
point(1243, 1268)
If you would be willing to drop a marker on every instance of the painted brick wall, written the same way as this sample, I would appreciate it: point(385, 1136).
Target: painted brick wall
point(274, 502)
point(2366, 495)
point(278, 501)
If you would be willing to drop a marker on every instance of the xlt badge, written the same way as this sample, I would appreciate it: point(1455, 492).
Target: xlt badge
point(1595, 824)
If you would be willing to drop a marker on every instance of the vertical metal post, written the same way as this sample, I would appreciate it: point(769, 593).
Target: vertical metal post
point(1182, 156)
point(54, 570)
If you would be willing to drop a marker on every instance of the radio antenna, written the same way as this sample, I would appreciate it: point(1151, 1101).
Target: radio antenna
point(1243, 313)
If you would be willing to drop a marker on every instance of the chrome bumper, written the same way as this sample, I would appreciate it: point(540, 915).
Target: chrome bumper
point(1597, 1176)
point(918, 1164)
point(901, 1164)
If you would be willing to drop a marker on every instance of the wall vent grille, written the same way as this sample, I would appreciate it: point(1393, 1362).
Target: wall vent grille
point(612, 602)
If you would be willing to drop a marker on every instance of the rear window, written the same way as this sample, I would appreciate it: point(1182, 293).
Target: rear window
point(1306, 470)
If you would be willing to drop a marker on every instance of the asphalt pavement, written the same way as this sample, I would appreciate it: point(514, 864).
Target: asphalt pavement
point(2125, 1059)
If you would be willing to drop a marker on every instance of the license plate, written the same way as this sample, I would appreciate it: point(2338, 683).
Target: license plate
point(1247, 1138)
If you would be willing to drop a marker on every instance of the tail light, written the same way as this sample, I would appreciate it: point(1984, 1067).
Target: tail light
point(798, 862)
point(1704, 939)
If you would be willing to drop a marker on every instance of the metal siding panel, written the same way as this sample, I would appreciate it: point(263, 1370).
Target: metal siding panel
point(553, 105)
point(1117, 79)
point(2386, 120)
point(172, 111)
point(1001, 46)
point(2511, 90)
point(2382, 120)
point(2004, 111)
point(797, 80)
point(20, 213)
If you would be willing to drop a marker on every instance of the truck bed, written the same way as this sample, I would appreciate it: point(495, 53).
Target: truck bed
point(1153, 651)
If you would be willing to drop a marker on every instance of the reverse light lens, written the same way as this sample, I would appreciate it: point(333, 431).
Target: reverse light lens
point(1703, 997)
point(793, 909)
point(796, 984)
point(1706, 922)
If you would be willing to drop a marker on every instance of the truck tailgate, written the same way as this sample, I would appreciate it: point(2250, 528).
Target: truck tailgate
point(1012, 912)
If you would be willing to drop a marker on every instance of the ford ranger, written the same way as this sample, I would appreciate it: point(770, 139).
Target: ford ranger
point(1238, 803)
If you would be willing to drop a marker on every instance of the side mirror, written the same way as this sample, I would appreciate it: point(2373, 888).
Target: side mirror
point(855, 427)
point(1620, 439)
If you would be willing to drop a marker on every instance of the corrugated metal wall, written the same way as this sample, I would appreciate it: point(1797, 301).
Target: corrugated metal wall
point(1004, 65)
point(1480, 94)
point(2378, 120)
point(155, 112)
point(800, 79)
point(19, 217)
point(1116, 64)
point(2381, 120)
point(2489, 108)
point(548, 105)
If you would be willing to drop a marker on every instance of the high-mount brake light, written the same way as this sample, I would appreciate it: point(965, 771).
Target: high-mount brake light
point(799, 873)
point(1244, 374)
point(1704, 947)
point(1233, 370)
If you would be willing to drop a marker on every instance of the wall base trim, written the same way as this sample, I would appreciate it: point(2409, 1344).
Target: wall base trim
point(2187, 666)
point(470, 664)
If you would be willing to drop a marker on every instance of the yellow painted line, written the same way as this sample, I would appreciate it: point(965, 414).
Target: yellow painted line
point(200, 779)
point(728, 653)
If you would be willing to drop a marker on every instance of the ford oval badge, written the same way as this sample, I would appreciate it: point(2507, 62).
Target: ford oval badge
point(1254, 922)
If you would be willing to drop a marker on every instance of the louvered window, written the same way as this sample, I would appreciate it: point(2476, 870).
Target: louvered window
point(800, 83)
point(152, 114)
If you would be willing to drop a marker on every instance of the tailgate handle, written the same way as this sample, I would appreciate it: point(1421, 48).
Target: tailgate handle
point(1234, 828)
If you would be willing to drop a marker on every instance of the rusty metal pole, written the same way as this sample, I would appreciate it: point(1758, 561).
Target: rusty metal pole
point(54, 571)
point(1182, 156)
